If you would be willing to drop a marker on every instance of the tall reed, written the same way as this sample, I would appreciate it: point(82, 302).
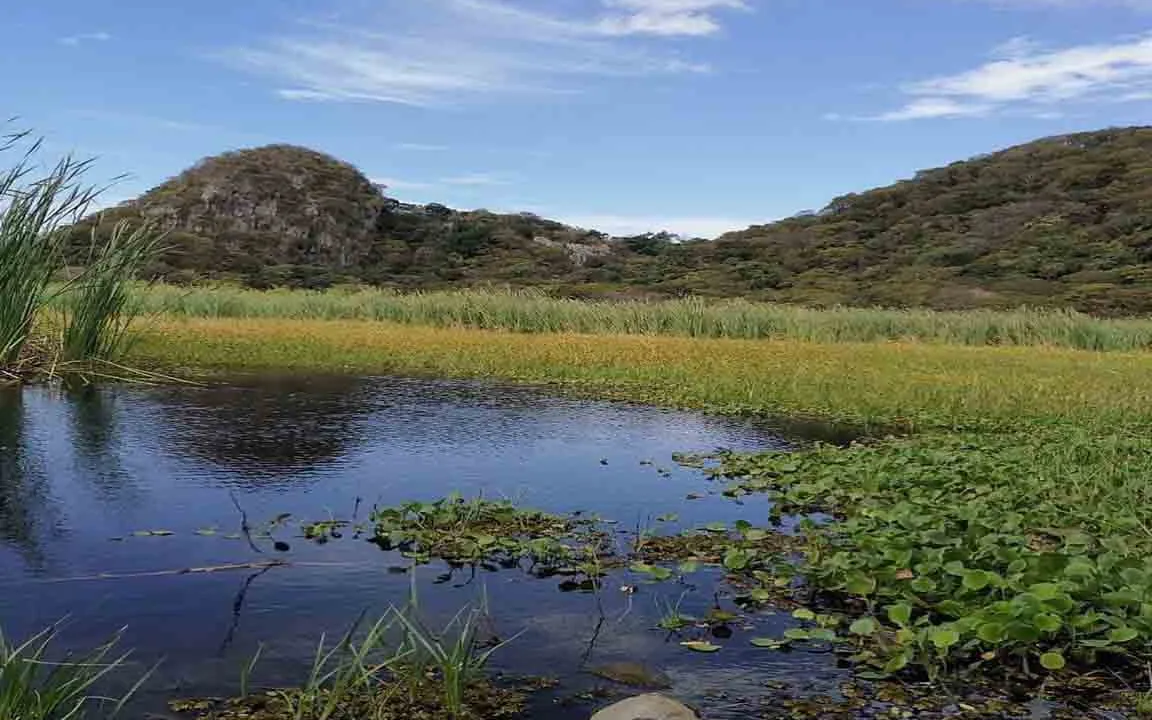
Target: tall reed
point(100, 306)
point(34, 204)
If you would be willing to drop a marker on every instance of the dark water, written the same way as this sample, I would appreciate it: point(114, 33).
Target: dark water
point(78, 470)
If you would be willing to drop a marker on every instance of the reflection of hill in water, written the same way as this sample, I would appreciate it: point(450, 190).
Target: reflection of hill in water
point(273, 427)
point(299, 426)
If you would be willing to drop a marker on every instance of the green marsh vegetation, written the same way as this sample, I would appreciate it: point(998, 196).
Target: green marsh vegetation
point(534, 311)
point(37, 685)
point(393, 668)
point(46, 327)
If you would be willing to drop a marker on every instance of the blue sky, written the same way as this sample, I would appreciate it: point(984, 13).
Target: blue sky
point(696, 116)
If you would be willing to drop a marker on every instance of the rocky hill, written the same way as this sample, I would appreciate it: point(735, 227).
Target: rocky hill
point(1063, 221)
point(282, 214)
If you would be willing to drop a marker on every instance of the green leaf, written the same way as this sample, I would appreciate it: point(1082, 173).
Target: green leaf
point(822, 634)
point(700, 646)
point(900, 614)
point(990, 632)
point(736, 559)
point(864, 626)
point(944, 638)
point(153, 533)
point(769, 643)
point(796, 634)
point(977, 579)
point(1052, 661)
point(1122, 635)
point(923, 584)
point(861, 585)
point(803, 614)
point(896, 663)
point(1047, 622)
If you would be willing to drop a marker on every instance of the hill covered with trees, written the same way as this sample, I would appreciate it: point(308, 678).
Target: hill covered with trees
point(1063, 221)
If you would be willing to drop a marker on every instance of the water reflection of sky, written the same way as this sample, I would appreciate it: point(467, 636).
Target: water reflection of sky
point(80, 469)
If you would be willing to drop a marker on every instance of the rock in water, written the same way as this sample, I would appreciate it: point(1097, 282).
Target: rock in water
point(647, 707)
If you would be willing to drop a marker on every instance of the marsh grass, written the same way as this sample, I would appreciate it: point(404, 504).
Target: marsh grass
point(532, 311)
point(34, 686)
point(872, 385)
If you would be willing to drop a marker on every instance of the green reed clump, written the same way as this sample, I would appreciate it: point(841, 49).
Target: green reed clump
point(393, 669)
point(534, 311)
point(99, 306)
point(33, 686)
point(34, 204)
point(1026, 552)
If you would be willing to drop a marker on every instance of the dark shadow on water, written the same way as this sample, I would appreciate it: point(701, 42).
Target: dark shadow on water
point(23, 491)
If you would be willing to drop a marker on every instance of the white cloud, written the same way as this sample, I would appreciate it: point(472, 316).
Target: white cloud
point(85, 37)
point(932, 107)
point(446, 51)
point(1022, 78)
point(706, 227)
point(665, 17)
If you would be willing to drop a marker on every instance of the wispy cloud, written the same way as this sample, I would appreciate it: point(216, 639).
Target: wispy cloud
point(85, 37)
point(446, 51)
point(1024, 78)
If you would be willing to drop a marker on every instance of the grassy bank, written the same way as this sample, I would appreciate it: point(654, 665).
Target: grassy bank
point(909, 384)
point(536, 312)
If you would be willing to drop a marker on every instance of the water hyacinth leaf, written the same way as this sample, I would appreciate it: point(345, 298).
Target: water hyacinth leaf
point(700, 646)
point(900, 614)
point(860, 585)
point(864, 626)
point(769, 643)
point(923, 584)
point(1047, 622)
point(1122, 635)
point(1052, 661)
point(944, 638)
point(736, 559)
point(822, 635)
point(977, 579)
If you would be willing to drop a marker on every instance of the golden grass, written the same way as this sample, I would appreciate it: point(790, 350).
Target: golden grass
point(910, 384)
